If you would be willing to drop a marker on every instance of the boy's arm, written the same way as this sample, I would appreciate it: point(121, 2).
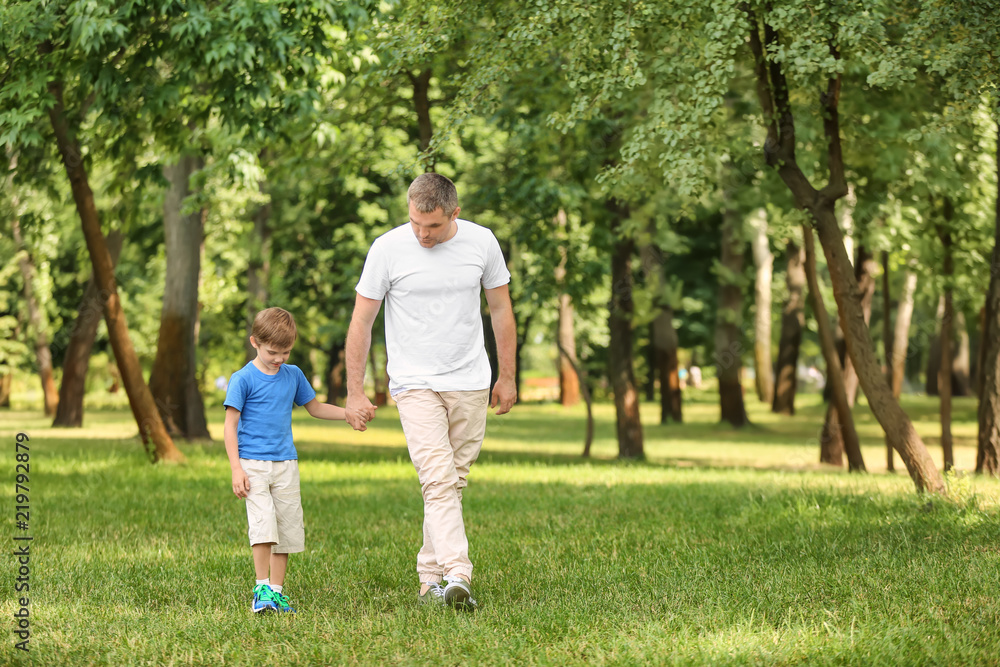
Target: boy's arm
point(241, 484)
point(327, 411)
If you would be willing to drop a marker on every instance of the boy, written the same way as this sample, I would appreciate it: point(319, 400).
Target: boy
point(262, 456)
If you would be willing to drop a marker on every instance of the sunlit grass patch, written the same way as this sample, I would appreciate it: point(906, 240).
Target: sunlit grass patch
point(720, 548)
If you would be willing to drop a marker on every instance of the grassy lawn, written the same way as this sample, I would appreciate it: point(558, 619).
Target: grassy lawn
point(725, 547)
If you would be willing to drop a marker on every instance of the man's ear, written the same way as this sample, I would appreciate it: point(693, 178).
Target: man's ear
point(253, 343)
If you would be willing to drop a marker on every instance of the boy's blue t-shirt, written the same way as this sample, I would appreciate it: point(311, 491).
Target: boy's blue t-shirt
point(265, 404)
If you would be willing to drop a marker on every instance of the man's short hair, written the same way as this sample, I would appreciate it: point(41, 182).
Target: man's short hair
point(431, 191)
point(276, 327)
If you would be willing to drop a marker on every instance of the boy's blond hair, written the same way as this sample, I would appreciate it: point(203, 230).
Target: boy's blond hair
point(276, 327)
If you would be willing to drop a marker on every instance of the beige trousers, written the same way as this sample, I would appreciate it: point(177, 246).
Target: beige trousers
point(444, 433)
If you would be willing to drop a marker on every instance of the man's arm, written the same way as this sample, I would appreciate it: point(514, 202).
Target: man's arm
point(241, 484)
point(359, 339)
point(505, 331)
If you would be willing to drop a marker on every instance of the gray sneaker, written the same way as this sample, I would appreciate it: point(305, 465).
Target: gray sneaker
point(458, 594)
point(434, 596)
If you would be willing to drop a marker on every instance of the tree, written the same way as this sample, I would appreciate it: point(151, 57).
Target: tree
point(900, 344)
point(792, 323)
point(901, 338)
point(81, 342)
point(134, 63)
point(663, 295)
point(569, 379)
point(988, 454)
point(728, 342)
point(763, 262)
point(173, 380)
point(832, 444)
point(766, 35)
point(844, 424)
point(944, 377)
point(620, 307)
point(966, 34)
point(37, 326)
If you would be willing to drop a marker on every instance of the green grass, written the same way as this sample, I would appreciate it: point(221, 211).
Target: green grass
point(726, 547)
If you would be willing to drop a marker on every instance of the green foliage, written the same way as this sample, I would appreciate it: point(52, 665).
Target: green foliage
point(307, 107)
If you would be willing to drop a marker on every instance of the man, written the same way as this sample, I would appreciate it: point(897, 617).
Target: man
point(429, 272)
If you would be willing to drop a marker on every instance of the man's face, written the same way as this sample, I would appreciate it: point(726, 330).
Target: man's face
point(434, 227)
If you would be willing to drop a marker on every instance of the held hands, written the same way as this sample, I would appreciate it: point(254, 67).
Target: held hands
point(241, 483)
point(504, 395)
point(359, 411)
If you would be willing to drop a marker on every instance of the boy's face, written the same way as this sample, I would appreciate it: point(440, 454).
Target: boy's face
point(269, 356)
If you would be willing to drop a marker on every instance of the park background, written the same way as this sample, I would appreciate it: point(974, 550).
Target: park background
point(656, 174)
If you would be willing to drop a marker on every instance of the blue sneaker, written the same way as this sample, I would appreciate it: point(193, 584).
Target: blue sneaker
point(282, 601)
point(263, 599)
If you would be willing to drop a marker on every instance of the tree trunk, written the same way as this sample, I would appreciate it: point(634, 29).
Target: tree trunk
point(901, 337)
point(668, 369)
point(764, 263)
point(728, 343)
point(944, 386)
point(36, 322)
point(959, 356)
point(944, 373)
point(147, 417)
point(961, 375)
point(662, 335)
point(569, 383)
point(934, 353)
point(258, 267)
point(981, 352)
point(652, 364)
point(422, 105)
point(572, 360)
point(887, 344)
point(886, 408)
point(379, 377)
point(792, 323)
point(336, 388)
point(173, 380)
point(886, 318)
point(988, 456)
point(81, 344)
point(864, 271)
point(521, 330)
point(629, 427)
point(5, 382)
point(843, 425)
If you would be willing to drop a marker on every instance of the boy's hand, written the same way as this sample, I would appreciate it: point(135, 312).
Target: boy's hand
point(241, 483)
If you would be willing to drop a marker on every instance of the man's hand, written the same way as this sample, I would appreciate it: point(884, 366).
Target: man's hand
point(241, 483)
point(359, 411)
point(504, 395)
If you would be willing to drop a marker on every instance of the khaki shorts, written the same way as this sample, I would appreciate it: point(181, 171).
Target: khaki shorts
point(274, 505)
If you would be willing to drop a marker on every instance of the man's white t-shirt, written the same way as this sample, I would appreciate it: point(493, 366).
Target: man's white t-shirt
point(433, 325)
